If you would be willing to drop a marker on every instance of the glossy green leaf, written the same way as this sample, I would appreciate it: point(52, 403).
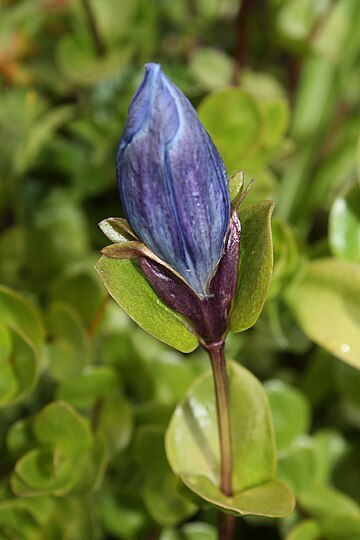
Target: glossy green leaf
point(255, 265)
point(235, 129)
point(306, 530)
point(326, 302)
point(129, 288)
point(344, 225)
point(192, 447)
point(18, 313)
point(290, 412)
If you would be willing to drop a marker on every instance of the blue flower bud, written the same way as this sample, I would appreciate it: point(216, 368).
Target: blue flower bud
point(172, 181)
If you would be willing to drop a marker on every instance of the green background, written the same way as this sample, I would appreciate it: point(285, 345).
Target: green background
point(86, 396)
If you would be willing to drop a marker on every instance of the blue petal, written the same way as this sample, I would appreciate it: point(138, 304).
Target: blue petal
point(172, 181)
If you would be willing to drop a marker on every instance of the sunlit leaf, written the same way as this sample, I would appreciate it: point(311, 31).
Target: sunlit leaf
point(192, 447)
point(326, 302)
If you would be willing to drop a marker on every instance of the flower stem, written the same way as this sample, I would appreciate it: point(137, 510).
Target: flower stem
point(218, 364)
point(226, 526)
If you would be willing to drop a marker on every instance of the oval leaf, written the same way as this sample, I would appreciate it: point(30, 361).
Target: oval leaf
point(326, 303)
point(235, 129)
point(192, 446)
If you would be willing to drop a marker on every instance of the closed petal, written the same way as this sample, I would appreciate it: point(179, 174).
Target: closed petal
point(172, 181)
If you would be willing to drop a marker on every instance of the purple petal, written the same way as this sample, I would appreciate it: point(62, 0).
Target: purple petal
point(172, 181)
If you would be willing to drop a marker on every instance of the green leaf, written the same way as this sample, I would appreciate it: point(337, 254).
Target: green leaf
point(192, 447)
point(130, 289)
point(161, 496)
point(191, 531)
point(306, 530)
point(235, 129)
point(296, 18)
point(276, 119)
point(286, 256)
point(18, 368)
point(60, 426)
point(326, 302)
point(69, 348)
point(80, 64)
point(94, 382)
point(172, 377)
point(81, 289)
point(19, 314)
point(18, 522)
point(8, 382)
point(329, 448)
point(298, 467)
point(290, 412)
point(122, 518)
point(342, 528)
point(211, 67)
point(45, 472)
point(255, 265)
point(323, 501)
point(116, 421)
point(344, 225)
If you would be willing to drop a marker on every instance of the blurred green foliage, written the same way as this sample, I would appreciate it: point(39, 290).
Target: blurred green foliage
point(85, 395)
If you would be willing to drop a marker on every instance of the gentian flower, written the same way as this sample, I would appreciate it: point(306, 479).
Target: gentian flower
point(174, 190)
point(172, 182)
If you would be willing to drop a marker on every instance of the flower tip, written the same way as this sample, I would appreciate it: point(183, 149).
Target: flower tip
point(152, 68)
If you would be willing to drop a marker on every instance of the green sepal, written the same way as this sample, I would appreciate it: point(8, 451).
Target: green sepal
point(255, 265)
point(130, 289)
